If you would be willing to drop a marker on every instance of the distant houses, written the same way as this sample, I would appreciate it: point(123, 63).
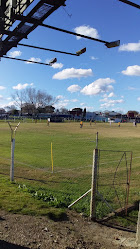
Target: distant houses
point(74, 114)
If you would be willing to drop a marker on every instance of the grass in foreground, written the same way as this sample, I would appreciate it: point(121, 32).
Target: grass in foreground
point(72, 158)
point(17, 199)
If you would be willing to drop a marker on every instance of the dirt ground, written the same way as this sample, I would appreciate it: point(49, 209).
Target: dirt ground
point(75, 232)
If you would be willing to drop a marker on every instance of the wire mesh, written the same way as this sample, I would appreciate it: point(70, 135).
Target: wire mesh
point(72, 162)
point(114, 170)
point(72, 151)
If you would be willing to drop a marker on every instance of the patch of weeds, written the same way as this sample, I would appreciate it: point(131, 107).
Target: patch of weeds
point(102, 210)
point(83, 206)
point(129, 221)
point(49, 198)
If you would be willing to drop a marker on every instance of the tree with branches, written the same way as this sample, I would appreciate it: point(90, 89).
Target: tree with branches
point(32, 101)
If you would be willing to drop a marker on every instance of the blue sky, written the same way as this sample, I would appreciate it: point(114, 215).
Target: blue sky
point(100, 79)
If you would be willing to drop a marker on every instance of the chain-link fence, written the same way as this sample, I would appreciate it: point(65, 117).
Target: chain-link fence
point(70, 175)
point(113, 181)
point(67, 177)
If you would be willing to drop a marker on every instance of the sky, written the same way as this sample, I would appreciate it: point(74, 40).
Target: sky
point(100, 79)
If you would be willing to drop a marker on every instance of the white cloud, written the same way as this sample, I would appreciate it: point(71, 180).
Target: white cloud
point(33, 59)
point(89, 108)
point(111, 95)
point(82, 104)
point(74, 88)
point(138, 98)
point(57, 65)
point(2, 87)
point(93, 58)
point(110, 103)
point(22, 86)
point(87, 31)
point(103, 100)
point(72, 73)
point(11, 103)
point(15, 53)
point(74, 100)
point(61, 103)
point(59, 97)
point(99, 86)
point(131, 88)
point(132, 71)
point(133, 47)
point(1, 97)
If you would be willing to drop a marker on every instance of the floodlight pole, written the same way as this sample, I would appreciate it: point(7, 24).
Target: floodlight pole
point(13, 133)
point(36, 62)
point(35, 21)
point(130, 3)
point(47, 49)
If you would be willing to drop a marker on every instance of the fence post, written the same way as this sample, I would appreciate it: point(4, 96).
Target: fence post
point(13, 132)
point(12, 159)
point(97, 140)
point(138, 228)
point(93, 186)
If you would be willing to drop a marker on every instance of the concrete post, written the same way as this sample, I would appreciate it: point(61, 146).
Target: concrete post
point(12, 159)
point(138, 228)
point(93, 186)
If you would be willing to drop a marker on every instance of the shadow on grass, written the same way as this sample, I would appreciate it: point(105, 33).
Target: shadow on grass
point(121, 221)
point(38, 180)
point(7, 245)
point(116, 226)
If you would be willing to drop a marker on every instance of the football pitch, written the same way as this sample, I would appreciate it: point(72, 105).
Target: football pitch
point(55, 162)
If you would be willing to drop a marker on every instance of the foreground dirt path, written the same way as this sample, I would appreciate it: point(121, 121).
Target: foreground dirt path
point(77, 232)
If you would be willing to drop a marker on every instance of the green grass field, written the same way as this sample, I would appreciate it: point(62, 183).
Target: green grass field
point(38, 190)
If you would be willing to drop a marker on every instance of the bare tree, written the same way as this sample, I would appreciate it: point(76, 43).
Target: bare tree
point(18, 98)
point(64, 110)
point(30, 99)
point(12, 110)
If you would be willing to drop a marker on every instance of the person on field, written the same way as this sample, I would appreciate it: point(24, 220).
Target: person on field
point(47, 122)
point(90, 122)
point(81, 124)
point(119, 124)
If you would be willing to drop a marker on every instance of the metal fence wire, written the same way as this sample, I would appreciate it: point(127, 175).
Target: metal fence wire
point(67, 180)
point(113, 181)
point(71, 175)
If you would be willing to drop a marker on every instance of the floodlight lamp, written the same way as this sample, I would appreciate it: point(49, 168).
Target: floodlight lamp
point(81, 51)
point(112, 44)
point(53, 61)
